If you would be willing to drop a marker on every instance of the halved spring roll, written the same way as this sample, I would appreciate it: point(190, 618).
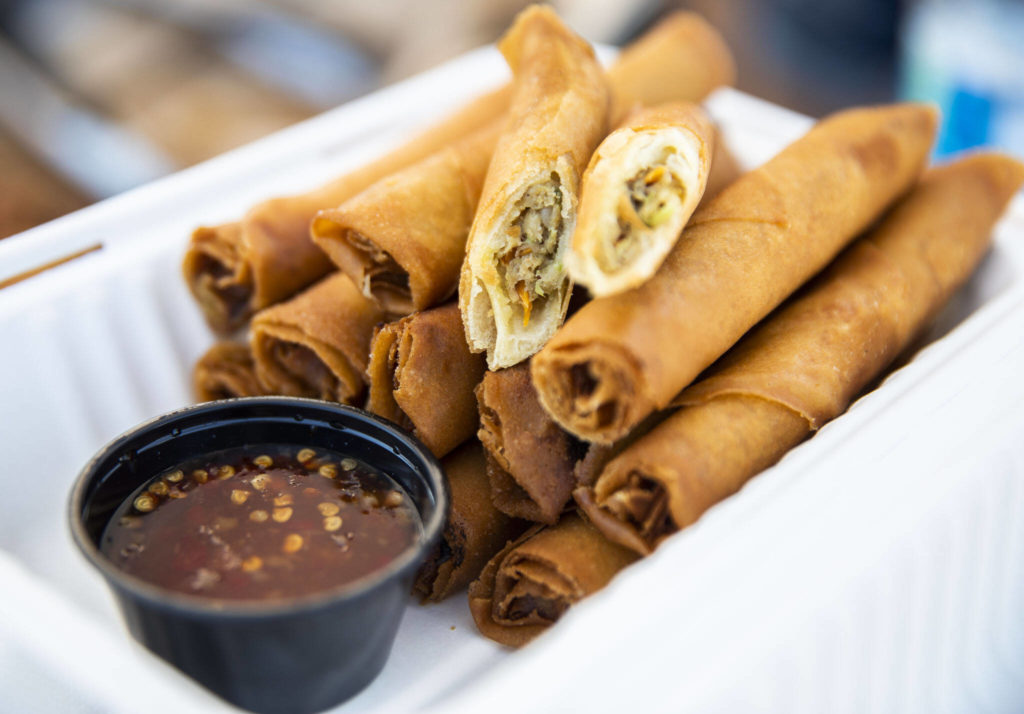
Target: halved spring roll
point(622, 357)
point(317, 344)
point(643, 183)
point(225, 371)
point(403, 239)
point(532, 581)
point(238, 268)
point(804, 365)
point(474, 532)
point(422, 376)
point(531, 458)
point(514, 289)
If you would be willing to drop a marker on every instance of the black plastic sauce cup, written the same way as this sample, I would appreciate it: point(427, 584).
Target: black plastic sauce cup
point(298, 655)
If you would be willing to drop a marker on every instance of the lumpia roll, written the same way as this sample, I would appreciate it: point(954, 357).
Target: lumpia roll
point(533, 458)
point(403, 239)
point(803, 366)
point(422, 376)
point(531, 582)
point(643, 183)
point(514, 290)
point(475, 530)
point(317, 344)
point(620, 358)
point(238, 268)
point(680, 58)
point(225, 371)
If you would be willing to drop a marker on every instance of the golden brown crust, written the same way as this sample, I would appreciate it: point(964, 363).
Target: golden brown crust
point(402, 240)
point(681, 58)
point(620, 358)
point(557, 115)
point(316, 344)
point(269, 256)
point(531, 458)
point(803, 366)
point(531, 582)
point(475, 530)
point(422, 376)
point(226, 370)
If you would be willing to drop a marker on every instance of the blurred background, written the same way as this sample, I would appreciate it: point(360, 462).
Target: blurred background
point(97, 96)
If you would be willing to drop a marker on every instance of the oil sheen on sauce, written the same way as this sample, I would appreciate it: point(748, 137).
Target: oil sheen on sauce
point(262, 523)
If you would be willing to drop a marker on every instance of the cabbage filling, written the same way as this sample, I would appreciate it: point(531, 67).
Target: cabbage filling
point(526, 262)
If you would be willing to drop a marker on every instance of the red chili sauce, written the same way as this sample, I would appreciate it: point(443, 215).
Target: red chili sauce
point(262, 523)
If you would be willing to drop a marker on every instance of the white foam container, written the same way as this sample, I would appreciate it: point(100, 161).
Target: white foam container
point(878, 567)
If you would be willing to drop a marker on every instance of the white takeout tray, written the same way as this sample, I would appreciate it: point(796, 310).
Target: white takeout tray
point(878, 567)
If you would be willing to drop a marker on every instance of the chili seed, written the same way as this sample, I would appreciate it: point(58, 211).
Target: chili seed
point(159, 488)
point(282, 514)
point(328, 470)
point(238, 496)
point(284, 500)
point(251, 565)
point(259, 481)
point(349, 464)
point(175, 493)
point(292, 543)
point(175, 476)
point(393, 499)
point(332, 523)
point(305, 455)
point(263, 461)
point(226, 471)
point(200, 475)
point(327, 508)
point(145, 503)
point(259, 516)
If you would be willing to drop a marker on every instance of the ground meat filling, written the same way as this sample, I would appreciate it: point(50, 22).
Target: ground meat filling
point(527, 260)
point(652, 196)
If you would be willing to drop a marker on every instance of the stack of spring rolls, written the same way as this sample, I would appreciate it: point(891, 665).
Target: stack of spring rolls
point(442, 287)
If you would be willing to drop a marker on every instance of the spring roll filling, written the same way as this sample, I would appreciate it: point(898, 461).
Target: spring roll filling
point(303, 366)
point(383, 280)
point(222, 290)
point(528, 592)
point(649, 200)
point(526, 262)
point(642, 503)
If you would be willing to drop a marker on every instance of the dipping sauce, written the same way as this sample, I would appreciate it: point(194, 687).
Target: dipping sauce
point(262, 523)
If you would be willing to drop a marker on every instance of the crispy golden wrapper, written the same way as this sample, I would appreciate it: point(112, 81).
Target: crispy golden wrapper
point(804, 365)
point(622, 357)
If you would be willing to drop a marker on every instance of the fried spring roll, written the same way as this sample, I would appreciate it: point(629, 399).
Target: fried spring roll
point(238, 268)
point(620, 358)
point(475, 530)
point(802, 367)
point(514, 290)
point(422, 376)
point(531, 458)
point(225, 371)
point(531, 582)
point(643, 183)
point(317, 344)
point(403, 239)
point(680, 58)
